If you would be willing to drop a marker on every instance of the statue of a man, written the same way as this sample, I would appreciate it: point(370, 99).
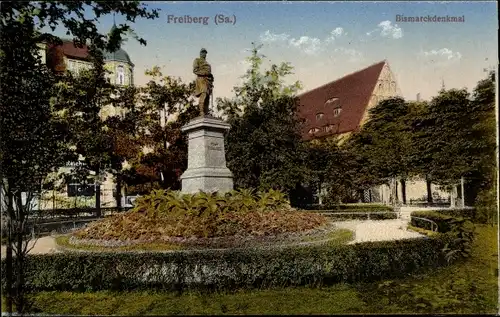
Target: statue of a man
point(204, 82)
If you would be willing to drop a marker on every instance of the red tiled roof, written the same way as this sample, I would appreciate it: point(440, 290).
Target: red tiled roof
point(70, 50)
point(353, 92)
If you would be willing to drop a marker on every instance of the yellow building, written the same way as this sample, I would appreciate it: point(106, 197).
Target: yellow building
point(68, 57)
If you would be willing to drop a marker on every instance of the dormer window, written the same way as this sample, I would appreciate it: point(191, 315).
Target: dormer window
point(331, 100)
point(329, 127)
point(319, 116)
point(336, 112)
point(313, 130)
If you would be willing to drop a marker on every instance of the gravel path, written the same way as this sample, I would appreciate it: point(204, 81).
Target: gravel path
point(378, 230)
point(43, 245)
point(365, 230)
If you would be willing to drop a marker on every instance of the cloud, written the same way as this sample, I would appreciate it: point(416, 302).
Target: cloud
point(309, 45)
point(335, 34)
point(269, 37)
point(387, 29)
point(443, 53)
point(306, 44)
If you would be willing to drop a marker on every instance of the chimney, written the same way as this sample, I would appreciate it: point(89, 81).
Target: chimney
point(418, 97)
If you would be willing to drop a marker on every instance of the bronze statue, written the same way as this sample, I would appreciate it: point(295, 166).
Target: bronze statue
point(204, 82)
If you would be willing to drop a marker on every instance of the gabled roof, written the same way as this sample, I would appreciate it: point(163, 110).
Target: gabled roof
point(70, 50)
point(353, 92)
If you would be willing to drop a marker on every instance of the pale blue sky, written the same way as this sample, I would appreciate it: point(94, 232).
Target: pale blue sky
point(420, 54)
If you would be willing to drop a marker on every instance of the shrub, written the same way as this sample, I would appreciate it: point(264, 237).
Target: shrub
point(487, 204)
point(462, 229)
point(201, 204)
point(163, 215)
point(469, 213)
point(442, 221)
point(338, 216)
point(348, 207)
point(227, 269)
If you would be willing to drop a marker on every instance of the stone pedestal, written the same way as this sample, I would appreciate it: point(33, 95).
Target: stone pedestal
point(207, 169)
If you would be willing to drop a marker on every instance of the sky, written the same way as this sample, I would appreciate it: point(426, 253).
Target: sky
point(323, 41)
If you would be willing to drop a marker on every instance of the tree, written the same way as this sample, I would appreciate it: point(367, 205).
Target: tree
point(33, 140)
point(31, 143)
point(165, 106)
point(420, 156)
point(263, 147)
point(333, 166)
point(383, 145)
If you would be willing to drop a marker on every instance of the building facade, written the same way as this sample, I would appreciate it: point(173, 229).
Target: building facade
point(341, 107)
point(68, 57)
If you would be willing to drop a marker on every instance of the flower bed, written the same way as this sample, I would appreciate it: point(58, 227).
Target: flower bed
point(178, 243)
point(239, 218)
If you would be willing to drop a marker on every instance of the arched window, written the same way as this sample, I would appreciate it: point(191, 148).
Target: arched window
point(120, 73)
point(319, 116)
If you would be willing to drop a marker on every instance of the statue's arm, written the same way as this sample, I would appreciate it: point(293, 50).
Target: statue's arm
point(199, 70)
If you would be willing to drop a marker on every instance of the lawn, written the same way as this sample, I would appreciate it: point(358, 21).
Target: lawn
point(467, 288)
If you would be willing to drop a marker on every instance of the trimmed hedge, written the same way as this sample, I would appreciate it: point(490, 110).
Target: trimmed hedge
point(443, 221)
point(459, 212)
point(227, 269)
point(348, 207)
point(335, 215)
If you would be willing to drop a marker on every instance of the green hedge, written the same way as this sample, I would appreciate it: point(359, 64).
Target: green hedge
point(461, 229)
point(340, 217)
point(311, 265)
point(444, 221)
point(459, 212)
point(348, 207)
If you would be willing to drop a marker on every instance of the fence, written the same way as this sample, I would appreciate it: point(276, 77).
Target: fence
point(434, 226)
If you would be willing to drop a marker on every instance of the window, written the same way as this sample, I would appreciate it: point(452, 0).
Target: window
point(120, 75)
point(319, 116)
point(336, 112)
point(332, 101)
point(71, 66)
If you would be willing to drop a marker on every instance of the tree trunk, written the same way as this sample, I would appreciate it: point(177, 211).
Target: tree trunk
point(403, 190)
point(8, 256)
point(119, 193)
point(429, 190)
point(20, 296)
point(98, 193)
point(396, 190)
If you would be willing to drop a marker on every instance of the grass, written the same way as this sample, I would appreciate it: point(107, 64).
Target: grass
point(469, 287)
point(336, 237)
point(63, 241)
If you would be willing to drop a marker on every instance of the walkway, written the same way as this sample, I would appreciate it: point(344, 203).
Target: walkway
point(378, 230)
point(43, 245)
point(365, 230)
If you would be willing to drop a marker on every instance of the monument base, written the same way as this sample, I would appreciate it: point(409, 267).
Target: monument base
point(207, 169)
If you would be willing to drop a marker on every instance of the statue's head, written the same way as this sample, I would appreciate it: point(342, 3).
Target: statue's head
point(203, 53)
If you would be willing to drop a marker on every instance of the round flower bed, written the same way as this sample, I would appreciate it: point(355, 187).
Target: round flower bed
point(236, 219)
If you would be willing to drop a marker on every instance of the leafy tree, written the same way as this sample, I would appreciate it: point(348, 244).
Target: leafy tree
point(333, 166)
point(483, 127)
point(33, 139)
point(264, 148)
point(162, 99)
point(382, 147)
